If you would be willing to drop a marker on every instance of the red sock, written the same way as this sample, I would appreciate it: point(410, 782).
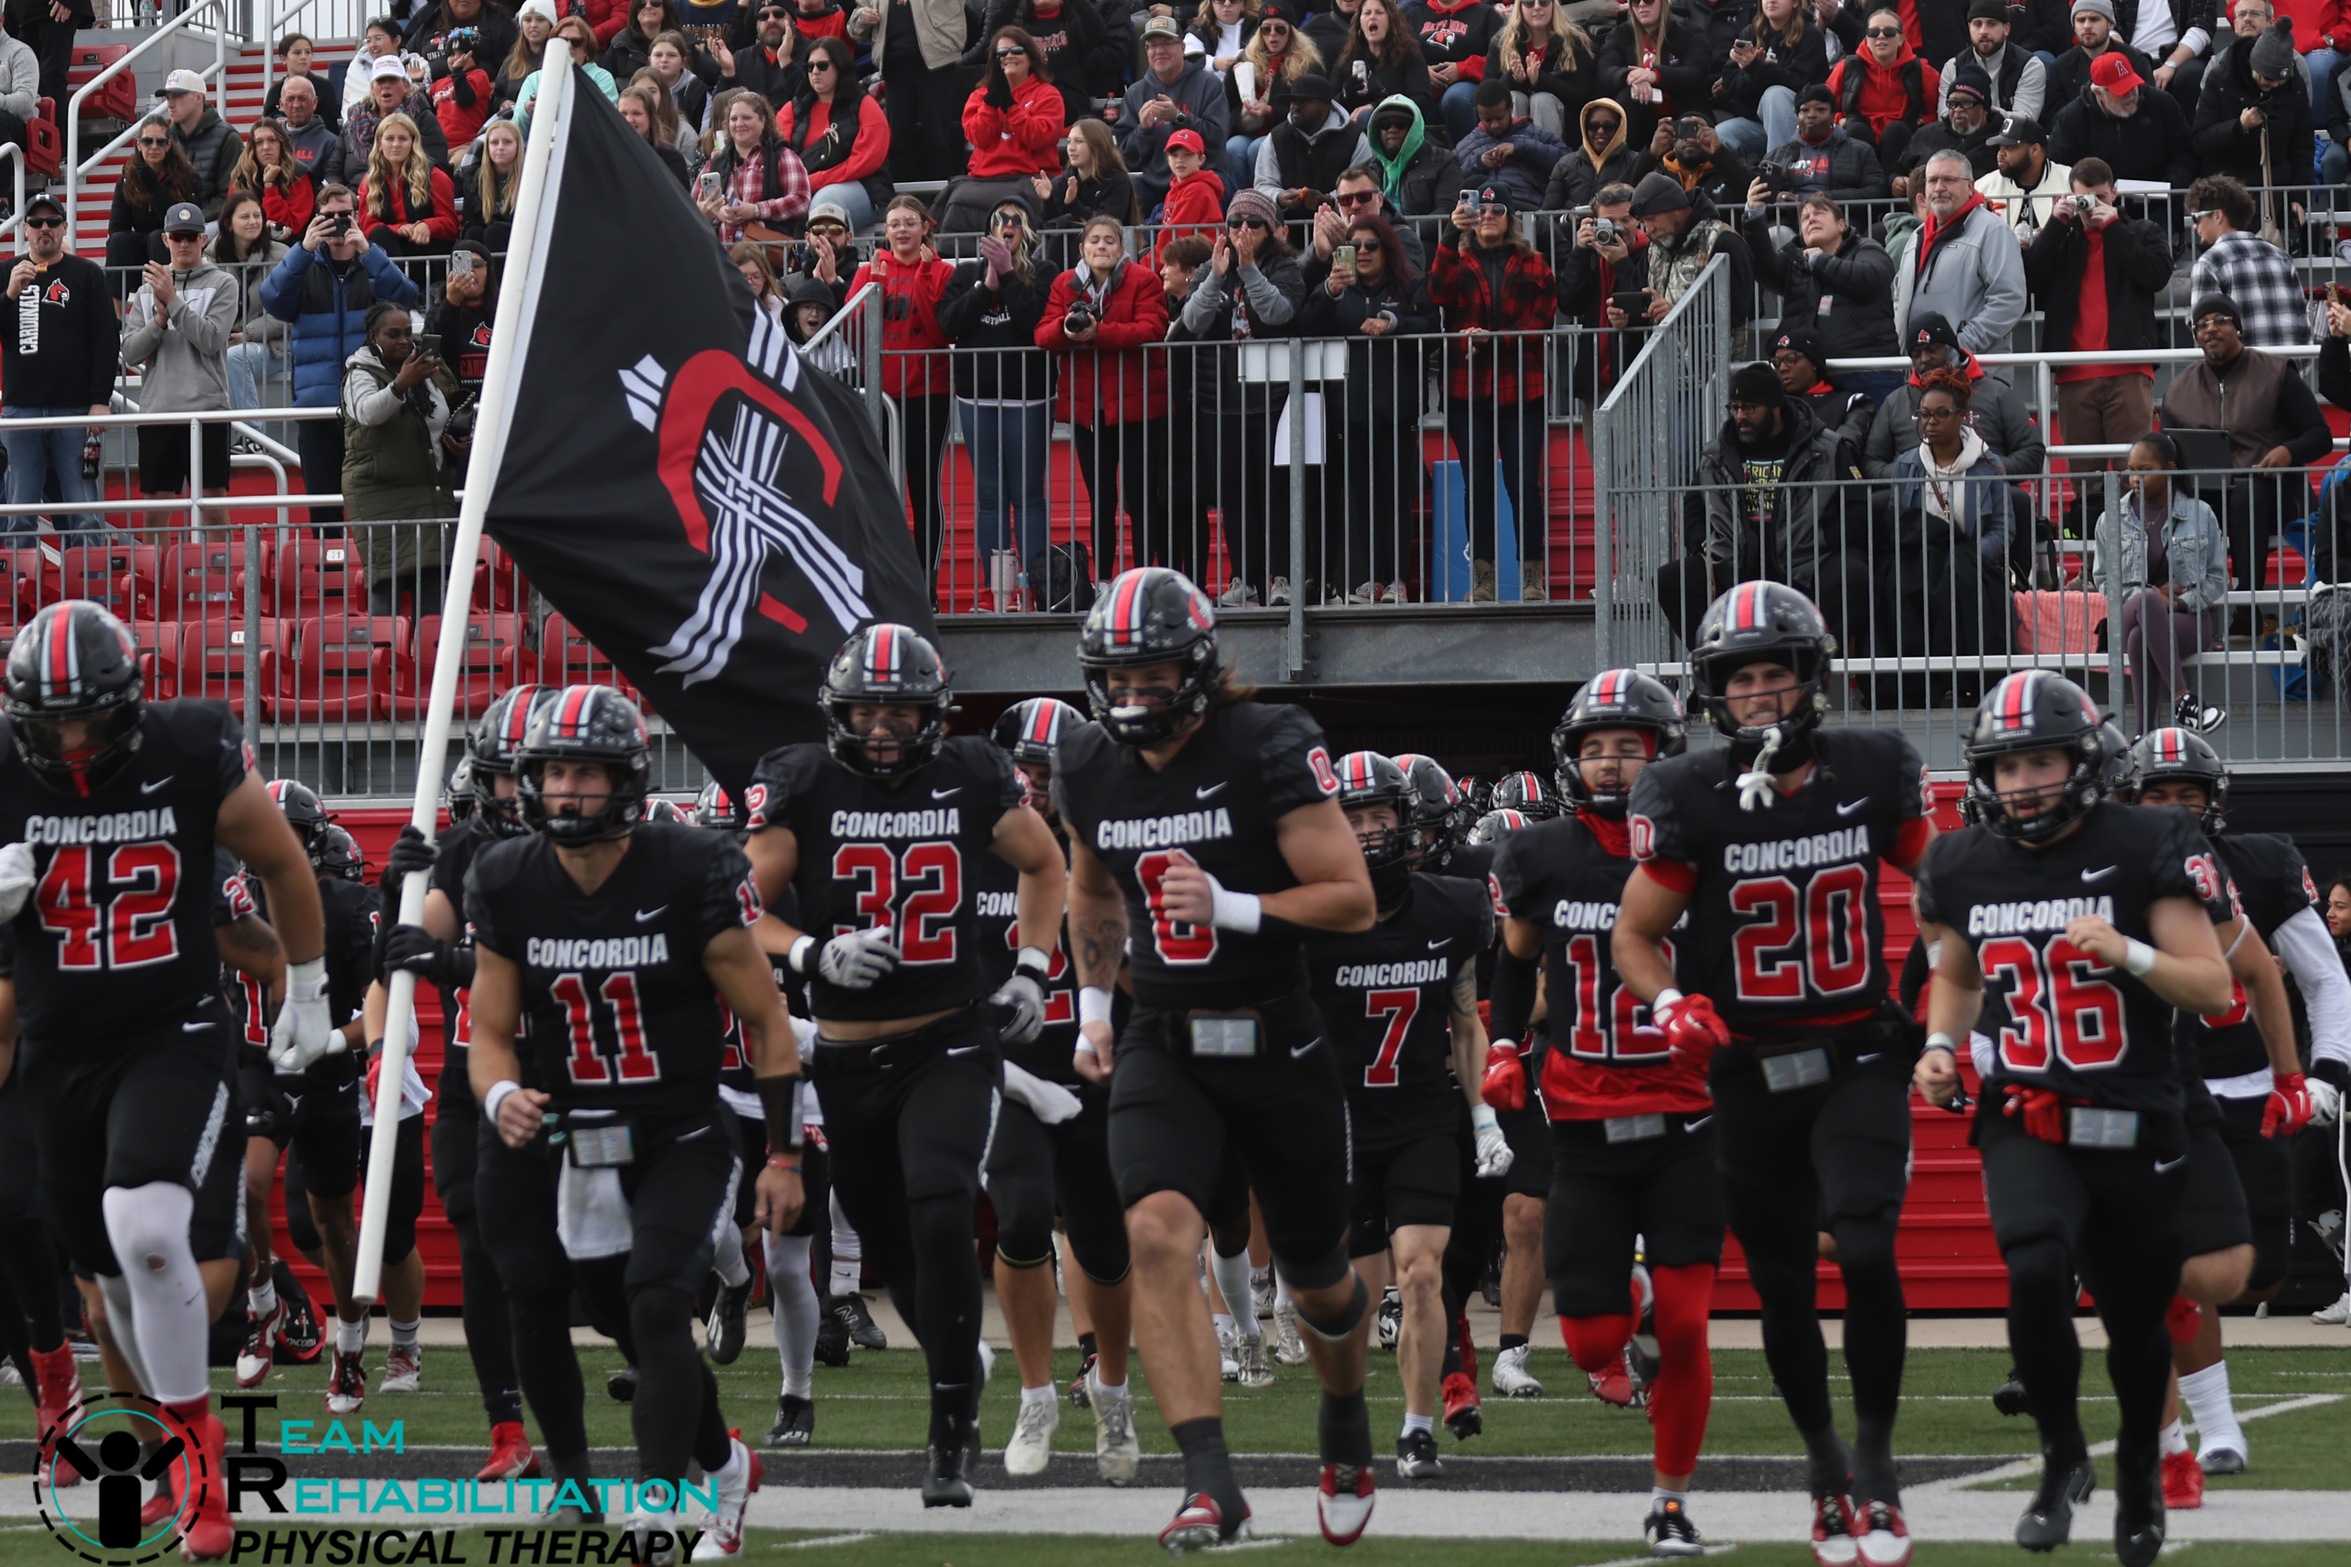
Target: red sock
point(1596, 1342)
point(1683, 1394)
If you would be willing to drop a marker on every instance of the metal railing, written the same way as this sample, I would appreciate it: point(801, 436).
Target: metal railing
point(215, 13)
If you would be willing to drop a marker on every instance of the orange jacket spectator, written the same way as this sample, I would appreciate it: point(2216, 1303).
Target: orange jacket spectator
point(1024, 139)
point(1112, 380)
point(1878, 95)
point(911, 292)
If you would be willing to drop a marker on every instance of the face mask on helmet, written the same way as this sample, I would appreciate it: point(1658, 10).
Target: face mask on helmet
point(887, 741)
point(105, 746)
point(565, 817)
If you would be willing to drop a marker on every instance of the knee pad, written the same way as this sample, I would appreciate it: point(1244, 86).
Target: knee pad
point(1685, 1299)
point(2271, 1261)
point(399, 1238)
point(301, 1229)
point(1319, 1274)
point(1335, 1329)
point(1024, 1224)
point(147, 1225)
point(659, 1310)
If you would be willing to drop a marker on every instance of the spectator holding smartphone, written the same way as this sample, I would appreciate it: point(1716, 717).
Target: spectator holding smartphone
point(399, 460)
point(1003, 399)
point(461, 317)
point(753, 182)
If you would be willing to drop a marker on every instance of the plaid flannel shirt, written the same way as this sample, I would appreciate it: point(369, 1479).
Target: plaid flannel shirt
point(751, 178)
point(2256, 275)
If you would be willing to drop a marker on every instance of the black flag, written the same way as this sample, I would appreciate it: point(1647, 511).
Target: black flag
point(714, 515)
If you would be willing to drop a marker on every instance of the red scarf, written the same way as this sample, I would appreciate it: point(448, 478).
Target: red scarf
point(1936, 229)
point(1613, 833)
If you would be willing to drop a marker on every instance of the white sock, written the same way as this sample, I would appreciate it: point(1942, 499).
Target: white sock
point(737, 1468)
point(1232, 1282)
point(350, 1337)
point(1107, 1389)
point(799, 1383)
point(728, 1262)
point(262, 1299)
point(1414, 1423)
point(2174, 1439)
point(1038, 1395)
point(1281, 1293)
point(404, 1333)
point(169, 1316)
point(1261, 1278)
point(791, 1295)
point(846, 1275)
point(848, 1252)
point(2206, 1393)
point(1658, 1493)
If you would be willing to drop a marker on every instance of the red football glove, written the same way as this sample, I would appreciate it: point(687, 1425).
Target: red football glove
point(2040, 1111)
point(1505, 1086)
point(1692, 1028)
point(2289, 1107)
point(375, 1075)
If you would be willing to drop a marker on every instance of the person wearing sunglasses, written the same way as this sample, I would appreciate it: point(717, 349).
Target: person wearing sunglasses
point(157, 178)
point(175, 333)
point(839, 131)
point(1069, 34)
point(1014, 121)
point(58, 361)
point(767, 47)
point(1885, 90)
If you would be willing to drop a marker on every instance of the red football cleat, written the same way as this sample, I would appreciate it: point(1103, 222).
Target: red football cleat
point(1465, 1417)
point(1198, 1524)
point(2183, 1482)
point(1342, 1503)
point(207, 1533)
point(511, 1457)
point(58, 1392)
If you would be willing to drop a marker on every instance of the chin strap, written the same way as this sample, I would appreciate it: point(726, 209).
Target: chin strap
point(1755, 785)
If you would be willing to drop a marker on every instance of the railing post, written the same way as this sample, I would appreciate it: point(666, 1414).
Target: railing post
point(253, 635)
point(1294, 634)
point(870, 347)
point(2118, 688)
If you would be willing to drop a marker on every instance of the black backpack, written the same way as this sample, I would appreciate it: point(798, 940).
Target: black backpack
point(1061, 579)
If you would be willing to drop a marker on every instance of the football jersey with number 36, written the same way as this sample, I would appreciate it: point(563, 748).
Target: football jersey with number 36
point(1217, 805)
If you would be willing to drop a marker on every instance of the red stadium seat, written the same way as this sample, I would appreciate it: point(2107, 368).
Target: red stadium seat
point(500, 584)
point(568, 658)
point(308, 577)
point(341, 668)
point(491, 662)
point(119, 98)
point(119, 576)
point(211, 658)
point(44, 143)
point(201, 581)
point(32, 581)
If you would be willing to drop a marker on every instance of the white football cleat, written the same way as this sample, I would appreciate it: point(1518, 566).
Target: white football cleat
point(1032, 1436)
point(1117, 1455)
point(1342, 1503)
point(1511, 1377)
point(724, 1537)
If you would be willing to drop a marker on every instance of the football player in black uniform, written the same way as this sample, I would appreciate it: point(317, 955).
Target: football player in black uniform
point(879, 830)
point(1206, 825)
point(1435, 804)
point(1526, 793)
point(616, 939)
point(2248, 1062)
point(1401, 1007)
point(316, 1115)
point(2093, 921)
point(1779, 977)
point(516, 1283)
point(1633, 1151)
point(1052, 1151)
point(110, 808)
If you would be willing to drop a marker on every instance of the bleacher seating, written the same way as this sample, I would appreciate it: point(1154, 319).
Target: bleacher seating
point(306, 576)
point(119, 576)
point(207, 657)
point(342, 668)
point(491, 662)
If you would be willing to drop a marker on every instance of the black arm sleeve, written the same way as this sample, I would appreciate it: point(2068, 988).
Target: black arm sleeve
point(1513, 995)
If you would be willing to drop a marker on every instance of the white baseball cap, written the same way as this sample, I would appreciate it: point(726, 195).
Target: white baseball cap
point(387, 65)
point(184, 80)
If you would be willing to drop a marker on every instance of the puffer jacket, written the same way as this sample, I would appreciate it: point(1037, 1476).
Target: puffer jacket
point(1116, 378)
point(1847, 298)
point(1805, 505)
point(327, 302)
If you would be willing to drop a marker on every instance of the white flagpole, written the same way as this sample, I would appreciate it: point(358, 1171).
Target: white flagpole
point(509, 337)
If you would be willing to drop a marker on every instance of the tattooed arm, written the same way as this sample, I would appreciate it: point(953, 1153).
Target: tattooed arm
point(1098, 939)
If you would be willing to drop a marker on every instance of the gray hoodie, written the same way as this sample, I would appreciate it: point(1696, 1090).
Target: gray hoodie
point(183, 354)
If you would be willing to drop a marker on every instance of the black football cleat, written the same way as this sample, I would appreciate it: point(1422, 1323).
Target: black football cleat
point(2009, 1397)
point(795, 1422)
point(2047, 1520)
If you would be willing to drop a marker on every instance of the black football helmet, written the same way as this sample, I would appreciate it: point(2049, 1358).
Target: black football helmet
point(75, 661)
point(491, 750)
point(1760, 620)
point(1368, 778)
point(1526, 793)
point(586, 724)
point(336, 853)
point(1028, 731)
point(2181, 756)
point(716, 808)
point(1615, 699)
point(303, 809)
point(660, 808)
point(1495, 826)
point(890, 665)
point(1434, 799)
point(2035, 710)
point(1150, 615)
point(459, 796)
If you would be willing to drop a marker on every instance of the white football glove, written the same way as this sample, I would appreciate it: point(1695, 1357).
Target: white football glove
point(17, 875)
point(304, 1031)
point(859, 960)
point(2326, 1102)
point(1493, 1152)
point(1023, 1001)
point(1048, 1102)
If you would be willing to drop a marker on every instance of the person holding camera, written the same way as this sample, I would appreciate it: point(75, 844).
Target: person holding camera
point(1685, 232)
point(399, 455)
point(461, 317)
point(1003, 400)
point(1102, 315)
point(2097, 275)
point(1821, 159)
point(325, 288)
point(1603, 282)
point(491, 23)
point(1776, 56)
point(461, 93)
point(1691, 150)
point(1833, 278)
point(2253, 121)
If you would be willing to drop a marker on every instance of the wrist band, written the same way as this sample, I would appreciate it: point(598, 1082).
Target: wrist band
point(802, 955)
point(776, 1161)
point(1665, 998)
point(1035, 962)
point(1483, 1119)
point(497, 1096)
point(1093, 1005)
point(2138, 957)
point(1236, 911)
point(1943, 1042)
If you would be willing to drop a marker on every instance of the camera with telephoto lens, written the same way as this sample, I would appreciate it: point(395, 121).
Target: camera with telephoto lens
point(1080, 317)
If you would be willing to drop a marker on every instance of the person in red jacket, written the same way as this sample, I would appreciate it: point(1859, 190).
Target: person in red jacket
point(1497, 293)
point(406, 204)
point(913, 280)
point(271, 173)
point(1104, 314)
point(838, 129)
point(1194, 208)
point(814, 19)
point(1886, 90)
point(462, 97)
point(605, 19)
point(1014, 121)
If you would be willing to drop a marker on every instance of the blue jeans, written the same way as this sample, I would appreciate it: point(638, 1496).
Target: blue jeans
point(33, 457)
point(853, 200)
point(1241, 149)
point(1459, 107)
point(1774, 125)
point(248, 363)
point(1006, 444)
point(2333, 163)
point(2323, 63)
